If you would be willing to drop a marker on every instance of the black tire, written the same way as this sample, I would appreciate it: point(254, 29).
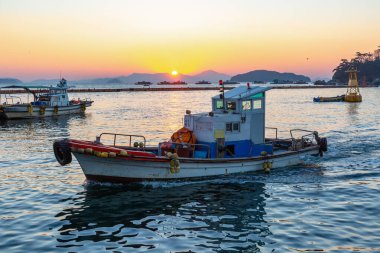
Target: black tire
point(323, 144)
point(62, 152)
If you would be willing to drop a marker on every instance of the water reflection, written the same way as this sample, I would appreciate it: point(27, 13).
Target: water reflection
point(352, 108)
point(199, 217)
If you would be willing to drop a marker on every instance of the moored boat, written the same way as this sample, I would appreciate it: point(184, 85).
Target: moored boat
point(228, 140)
point(203, 82)
point(46, 102)
point(339, 98)
point(144, 83)
point(230, 82)
point(172, 83)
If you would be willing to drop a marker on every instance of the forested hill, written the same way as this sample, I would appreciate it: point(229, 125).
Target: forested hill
point(10, 81)
point(367, 65)
point(268, 76)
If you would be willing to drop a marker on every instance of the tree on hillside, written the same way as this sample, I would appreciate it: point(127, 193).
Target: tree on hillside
point(365, 63)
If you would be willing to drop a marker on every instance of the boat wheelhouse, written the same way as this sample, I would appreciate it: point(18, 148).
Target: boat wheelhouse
point(228, 140)
point(46, 101)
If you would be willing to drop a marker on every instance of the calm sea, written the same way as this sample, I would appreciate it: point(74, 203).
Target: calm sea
point(325, 205)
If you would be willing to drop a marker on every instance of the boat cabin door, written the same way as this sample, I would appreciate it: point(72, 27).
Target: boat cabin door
point(219, 136)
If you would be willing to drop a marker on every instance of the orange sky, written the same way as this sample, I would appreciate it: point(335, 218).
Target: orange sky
point(95, 38)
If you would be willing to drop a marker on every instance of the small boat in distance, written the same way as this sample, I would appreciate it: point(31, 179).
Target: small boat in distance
point(143, 83)
point(47, 101)
point(203, 82)
point(329, 99)
point(230, 82)
point(172, 83)
point(228, 140)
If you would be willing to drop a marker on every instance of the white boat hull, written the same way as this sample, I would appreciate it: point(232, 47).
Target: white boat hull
point(120, 170)
point(21, 111)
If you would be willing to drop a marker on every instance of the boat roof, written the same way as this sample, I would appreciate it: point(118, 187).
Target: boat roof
point(243, 92)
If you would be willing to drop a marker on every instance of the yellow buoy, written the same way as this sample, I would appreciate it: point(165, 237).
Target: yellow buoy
point(353, 94)
point(123, 153)
point(104, 154)
point(88, 150)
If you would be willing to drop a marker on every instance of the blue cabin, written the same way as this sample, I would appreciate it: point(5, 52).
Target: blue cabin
point(236, 125)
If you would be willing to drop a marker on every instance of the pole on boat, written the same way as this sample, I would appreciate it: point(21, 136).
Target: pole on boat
point(221, 90)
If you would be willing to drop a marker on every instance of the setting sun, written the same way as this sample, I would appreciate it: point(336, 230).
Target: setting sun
point(174, 73)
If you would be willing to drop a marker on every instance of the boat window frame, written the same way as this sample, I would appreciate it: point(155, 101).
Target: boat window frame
point(230, 127)
point(231, 102)
point(245, 102)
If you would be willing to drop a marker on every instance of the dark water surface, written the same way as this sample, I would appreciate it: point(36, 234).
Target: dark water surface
point(325, 205)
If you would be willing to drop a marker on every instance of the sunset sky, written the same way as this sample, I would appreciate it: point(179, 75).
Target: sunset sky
point(99, 38)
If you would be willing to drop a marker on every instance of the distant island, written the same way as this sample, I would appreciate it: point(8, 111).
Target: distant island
point(367, 64)
point(10, 81)
point(256, 76)
point(269, 76)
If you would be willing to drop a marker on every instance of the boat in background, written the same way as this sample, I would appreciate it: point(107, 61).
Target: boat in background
point(228, 140)
point(47, 101)
point(203, 82)
point(230, 82)
point(144, 83)
point(329, 99)
point(352, 94)
point(172, 83)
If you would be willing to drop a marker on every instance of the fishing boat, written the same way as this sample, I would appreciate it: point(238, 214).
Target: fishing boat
point(203, 82)
point(339, 98)
point(230, 82)
point(228, 140)
point(172, 83)
point(47, 101)
point(144, 83)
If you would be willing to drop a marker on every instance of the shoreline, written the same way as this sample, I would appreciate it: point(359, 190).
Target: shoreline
point(85, 90)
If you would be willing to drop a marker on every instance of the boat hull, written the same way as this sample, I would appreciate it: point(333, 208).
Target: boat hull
point(22, 111)
point(146, 169)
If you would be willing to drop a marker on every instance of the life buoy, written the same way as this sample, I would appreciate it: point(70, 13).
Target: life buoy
point(62, 152)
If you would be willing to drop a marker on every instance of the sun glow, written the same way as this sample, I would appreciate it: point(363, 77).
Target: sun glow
point(174, 72)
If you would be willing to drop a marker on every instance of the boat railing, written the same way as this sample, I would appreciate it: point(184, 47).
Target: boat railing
point(306, 139)
point(183, 149)
point(273, 128)
point(130, 136)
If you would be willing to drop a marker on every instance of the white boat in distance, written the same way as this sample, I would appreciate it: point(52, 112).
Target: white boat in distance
point(47, 101)
point(228, 140)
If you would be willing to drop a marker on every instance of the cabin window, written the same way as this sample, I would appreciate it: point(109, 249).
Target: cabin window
point(233, 127)
point(228, 127)
point(219, 104)
point(257, 104)
point(231, 105)
point(63, 96)
point(247, 105)
point(236, 127)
